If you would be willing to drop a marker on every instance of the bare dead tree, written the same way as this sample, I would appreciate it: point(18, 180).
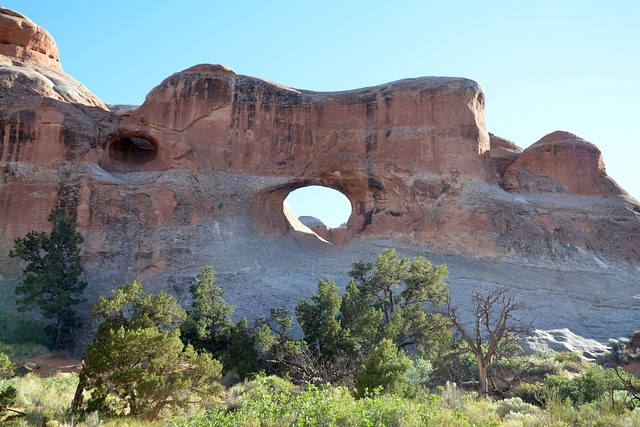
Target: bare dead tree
point(494, 329)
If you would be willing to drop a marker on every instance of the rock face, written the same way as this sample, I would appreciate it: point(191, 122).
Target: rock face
point(561, 162)
point(503, 153)
point(333, 235)
point(198, 175)
point(22, 39)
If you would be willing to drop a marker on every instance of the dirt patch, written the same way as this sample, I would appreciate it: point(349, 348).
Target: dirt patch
point(47, 364)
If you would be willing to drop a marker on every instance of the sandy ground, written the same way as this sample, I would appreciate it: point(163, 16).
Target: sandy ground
point(46, 364)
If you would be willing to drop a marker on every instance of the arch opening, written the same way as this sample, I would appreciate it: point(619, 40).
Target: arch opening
point(321, 210)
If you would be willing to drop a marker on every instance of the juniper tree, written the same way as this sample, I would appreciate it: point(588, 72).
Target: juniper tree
point(137, 363)
point(406, 294)
point(52, 277)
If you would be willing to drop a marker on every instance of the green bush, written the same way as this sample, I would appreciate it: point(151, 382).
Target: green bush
point(419, 375)
point(44, 399)
point(532, 393)
point(256, 389)
point(384, 370)
point(336, 406)
point(514, 405)
point(7, 368)
point(588, 387)
point(567, 356)
point(8, 395)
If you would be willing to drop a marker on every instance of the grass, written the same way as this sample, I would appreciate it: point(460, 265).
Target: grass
point(272, 402)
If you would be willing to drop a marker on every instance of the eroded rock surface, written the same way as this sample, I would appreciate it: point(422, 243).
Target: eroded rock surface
point(198, 175)
point(561, 162)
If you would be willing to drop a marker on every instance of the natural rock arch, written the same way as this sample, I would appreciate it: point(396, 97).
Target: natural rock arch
point(323, 205)
point(270, 218)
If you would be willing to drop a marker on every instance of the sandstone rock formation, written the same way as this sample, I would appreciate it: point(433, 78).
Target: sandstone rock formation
point(333, 235)
point(561, 162)
point(198, 175)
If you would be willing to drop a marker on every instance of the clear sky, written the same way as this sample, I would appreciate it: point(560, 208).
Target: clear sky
point(544, 65)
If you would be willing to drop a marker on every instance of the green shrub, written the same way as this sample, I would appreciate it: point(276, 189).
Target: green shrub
point(588, 387)
point(419, 375)
point(544, 363)
point(44, 399)
point(514, 405)
point(567, 356)
point(7, 369)
point(256, 389)
point(532, 393)
point(385, 370)
point(8, 395)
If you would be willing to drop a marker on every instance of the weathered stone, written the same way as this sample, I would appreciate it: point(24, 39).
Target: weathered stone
point(563, 340)
point(503, 153)
point(334, 235)
point(558, 163)
point(20, 38)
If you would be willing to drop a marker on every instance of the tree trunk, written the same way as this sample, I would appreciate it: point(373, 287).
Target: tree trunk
point(78, 398)
point(482, 371)
point(156, 410)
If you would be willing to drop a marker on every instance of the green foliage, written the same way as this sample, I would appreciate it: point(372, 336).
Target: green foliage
point(51, 280)
point(208, 324)
point(7, 368)
point(384, 370)
point(361, 318)
point(406, 293)
point(240, 356)
point(273, 334)
point(137, 364)
point(256, 389)
point(419, 375)
point(39, 401)
point(336, 406)
point(533, 393)
point(514, 405)
point(131, 307)
point(588, 387)
point(567, 356)
point(17, 329)
point(392, 298)
point(279, 351)
point(323, 331)
point(8, 395)
point(452, 361)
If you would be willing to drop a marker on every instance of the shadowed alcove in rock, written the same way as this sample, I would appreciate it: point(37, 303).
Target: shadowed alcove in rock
point(131, 153)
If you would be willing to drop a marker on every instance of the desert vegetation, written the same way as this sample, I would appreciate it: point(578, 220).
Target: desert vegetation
point(389, 350)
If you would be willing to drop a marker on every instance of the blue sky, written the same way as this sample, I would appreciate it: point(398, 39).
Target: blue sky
point(544, 65)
